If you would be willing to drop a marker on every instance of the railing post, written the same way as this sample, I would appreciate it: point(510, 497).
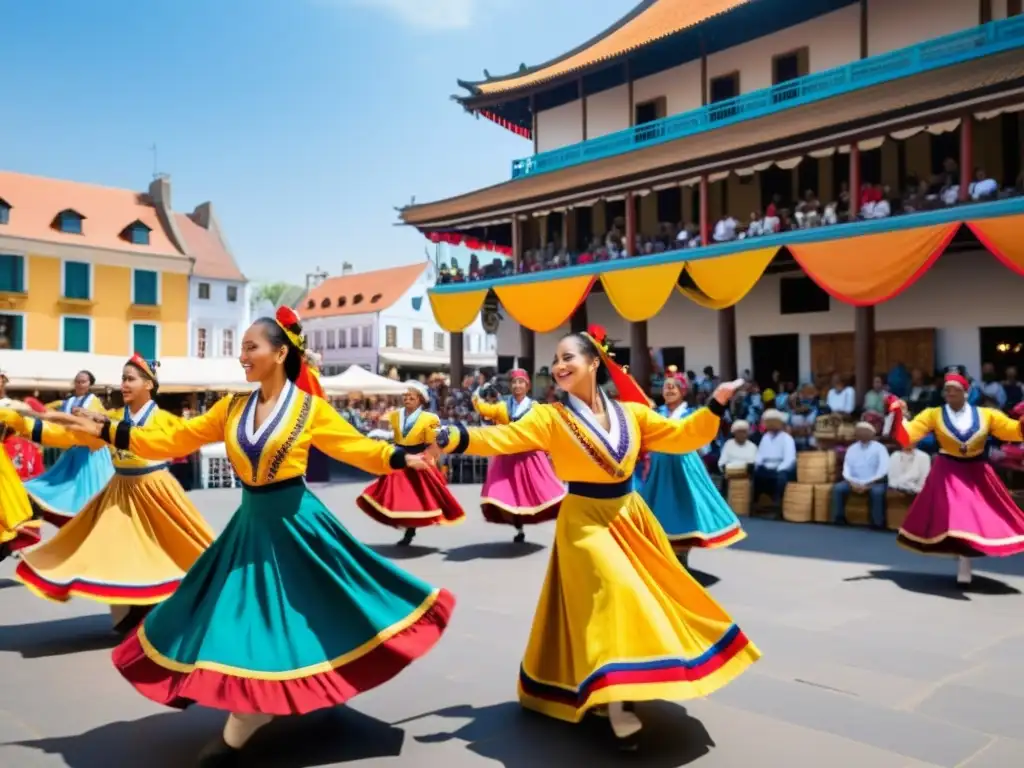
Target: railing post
point(854, 180)
point(630, 224)
point(705, 221)
point(966, 156)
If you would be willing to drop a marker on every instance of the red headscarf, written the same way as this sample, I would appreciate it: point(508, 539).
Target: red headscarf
point(308, 379)
point(672, 372)
point(519, 373)
point(629, 390)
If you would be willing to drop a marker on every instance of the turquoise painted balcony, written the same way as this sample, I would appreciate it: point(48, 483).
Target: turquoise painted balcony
point(977, 42)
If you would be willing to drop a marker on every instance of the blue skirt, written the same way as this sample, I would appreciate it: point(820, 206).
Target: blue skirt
point(680, 493)
point(67, 486)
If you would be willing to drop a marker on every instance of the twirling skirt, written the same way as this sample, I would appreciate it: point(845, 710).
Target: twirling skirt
point(411, 499)
point(963, 509)
point(285, 613)
point(619, 619)
point(521, 489)
point(18, 529)
point(131, 545)
point(71, 483)
point(684, 500)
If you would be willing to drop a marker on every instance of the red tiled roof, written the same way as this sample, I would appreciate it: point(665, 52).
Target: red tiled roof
point(35, 202)
point(212, 257)
point(360, 293)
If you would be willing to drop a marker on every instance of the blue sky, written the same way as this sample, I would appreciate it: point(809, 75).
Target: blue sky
point(304, 121)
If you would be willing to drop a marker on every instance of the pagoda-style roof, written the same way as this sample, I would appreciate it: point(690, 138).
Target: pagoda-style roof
point(651, 20)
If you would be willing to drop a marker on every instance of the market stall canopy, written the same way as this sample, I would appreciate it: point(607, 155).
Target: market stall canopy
point(358, 379)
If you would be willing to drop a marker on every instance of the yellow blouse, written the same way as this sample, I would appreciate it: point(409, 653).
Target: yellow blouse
point(88, 401)
point(969, 444)
point(56, 436)
point(579, 450)
point(277, 450)
point(497, 412)
point(415, 430)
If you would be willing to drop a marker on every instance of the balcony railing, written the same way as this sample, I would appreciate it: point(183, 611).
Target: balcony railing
point(977, 42)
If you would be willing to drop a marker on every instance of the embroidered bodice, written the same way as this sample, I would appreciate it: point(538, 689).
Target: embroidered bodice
point(963, 434)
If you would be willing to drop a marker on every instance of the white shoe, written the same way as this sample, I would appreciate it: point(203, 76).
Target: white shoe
point(963, 571)
point(624, 724)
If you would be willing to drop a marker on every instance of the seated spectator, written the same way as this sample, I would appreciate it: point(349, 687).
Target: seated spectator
point(983, 188)
point(755, 228)
point(865, 469)
point(725, 229)
point(738, 451)
point(775, 462)
point(908, 469)
point(991, 387)
point(841, 398)
point(1013, 389)
point(874, 399)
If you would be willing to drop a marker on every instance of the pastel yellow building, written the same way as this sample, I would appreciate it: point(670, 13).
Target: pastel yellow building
point(85, 268)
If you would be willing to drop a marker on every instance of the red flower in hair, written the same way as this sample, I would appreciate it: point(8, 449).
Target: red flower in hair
point(598, 333)
point(286, 316)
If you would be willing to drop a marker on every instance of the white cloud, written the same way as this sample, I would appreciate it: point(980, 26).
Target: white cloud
point(426, 14)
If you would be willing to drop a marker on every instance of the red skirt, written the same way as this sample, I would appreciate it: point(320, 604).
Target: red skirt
point(411, 499)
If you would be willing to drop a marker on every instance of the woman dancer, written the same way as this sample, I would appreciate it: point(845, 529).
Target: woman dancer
point(964, 509)
point(24, 454)
point(679, 490)
point(619, 620)
point(131, 545)
point(79, 474)
point(412, 499)
point(18, 526)
point(520, 489)
point(286, 612)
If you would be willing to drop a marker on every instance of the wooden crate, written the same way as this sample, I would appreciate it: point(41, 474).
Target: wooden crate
point(896, 507)
point(816, 467)
point(857, 510)
point(738, 496)
point(798, 503)
point(823, 502)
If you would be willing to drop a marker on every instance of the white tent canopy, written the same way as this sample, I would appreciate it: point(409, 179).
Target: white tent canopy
point(358, 379)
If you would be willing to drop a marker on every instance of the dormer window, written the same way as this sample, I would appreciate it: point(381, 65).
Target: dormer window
point(325, 303)
point(311, 304)
point(342, 301)
point(357, 299)
point(69, 222)
point(376, 297)
point(5, 211)
point(136, 233)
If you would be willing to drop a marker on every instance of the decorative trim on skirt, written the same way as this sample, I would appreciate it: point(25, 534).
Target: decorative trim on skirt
point(411, 498)
point(521, 489)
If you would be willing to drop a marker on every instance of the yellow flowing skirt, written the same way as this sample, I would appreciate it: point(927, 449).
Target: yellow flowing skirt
point(619, 619)
point(17, 528)
point(130, 545)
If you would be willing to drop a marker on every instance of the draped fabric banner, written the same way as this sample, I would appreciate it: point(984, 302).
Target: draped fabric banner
point(640, 294)
point(1002, 236)
point(722, 282)
point(544, 306)
point(870, 269)
point(455, 311)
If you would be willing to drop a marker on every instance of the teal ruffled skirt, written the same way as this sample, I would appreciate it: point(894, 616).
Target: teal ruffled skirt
point(284, 614)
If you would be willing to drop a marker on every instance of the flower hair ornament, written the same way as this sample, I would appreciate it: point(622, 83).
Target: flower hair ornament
point(308, 379)
point(629, 391)
point(673, 372)
point(146, 367)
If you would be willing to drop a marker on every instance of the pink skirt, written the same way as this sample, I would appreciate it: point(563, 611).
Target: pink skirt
point(521, 489)
point(963, 509)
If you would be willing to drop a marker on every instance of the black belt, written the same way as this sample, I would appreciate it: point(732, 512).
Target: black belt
point(602, 490)
point(137, 471)
point(278, 486)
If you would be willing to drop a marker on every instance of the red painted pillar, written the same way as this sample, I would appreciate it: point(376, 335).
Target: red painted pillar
point(705, 212)
point(966, 156)
point(630, 224)
point(854, 181)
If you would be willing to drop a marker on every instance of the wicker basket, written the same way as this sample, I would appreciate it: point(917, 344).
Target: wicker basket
point(896, 507)
point(798, 503)
point(857, 510)
point(823, 502)
point(825, 427)
point(847, 432)
point(739, 496)
point(736, 473)
point(816, 467)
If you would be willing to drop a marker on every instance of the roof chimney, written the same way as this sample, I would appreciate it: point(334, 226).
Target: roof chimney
point(160, 194)
point(347, 268)
point(160, 191)
point(203, 215)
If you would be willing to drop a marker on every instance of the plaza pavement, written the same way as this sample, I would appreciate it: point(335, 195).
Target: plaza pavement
point(873, 658)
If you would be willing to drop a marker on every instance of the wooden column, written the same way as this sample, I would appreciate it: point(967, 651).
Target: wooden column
point(630, 224)
point(631, 107)
point(863, 350)
point(583, 107)
point(578, 322)
point(705, 213)
point(864, 29)
point(639, 353)
point(727, 343)
point(565, 230)
point(703, 72)
point(854, 181)
point(457, 365)
point(527, 349)
point(966, 156)
point(533, 117)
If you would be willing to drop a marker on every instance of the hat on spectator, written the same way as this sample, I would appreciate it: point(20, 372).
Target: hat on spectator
point(741, 426)
point(773, 414)
point(867, 426)
point(419, 388)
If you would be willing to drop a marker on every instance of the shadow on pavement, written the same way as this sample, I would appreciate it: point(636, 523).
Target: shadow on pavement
point(940, 585)
point(174, 739)
point(492, 550)
point(703, 578)
point(519, 739)
point(395, 552)
point(76, 634)
point(8, 583)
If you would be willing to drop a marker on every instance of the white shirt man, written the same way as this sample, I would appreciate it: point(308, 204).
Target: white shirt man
point(841, 401)
point(865, 469)
point(775, 463)
point(908, 469)
point(738, 452)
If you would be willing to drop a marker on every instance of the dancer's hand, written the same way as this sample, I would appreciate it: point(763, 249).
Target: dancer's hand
point(724, 392)
point(97, 417)
point(82, 424)
point(417, 461)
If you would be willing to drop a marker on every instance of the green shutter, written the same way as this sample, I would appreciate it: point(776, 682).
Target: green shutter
point(12, 273)
point(145, 288)
point(144, 341)
point(76, 280)
point(76, 334)
point(18, 332)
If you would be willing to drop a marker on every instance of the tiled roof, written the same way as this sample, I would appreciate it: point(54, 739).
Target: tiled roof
point(652, 20)
point(936, 90)
point(211, 254)
point(360, 293)
point(36, 201)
